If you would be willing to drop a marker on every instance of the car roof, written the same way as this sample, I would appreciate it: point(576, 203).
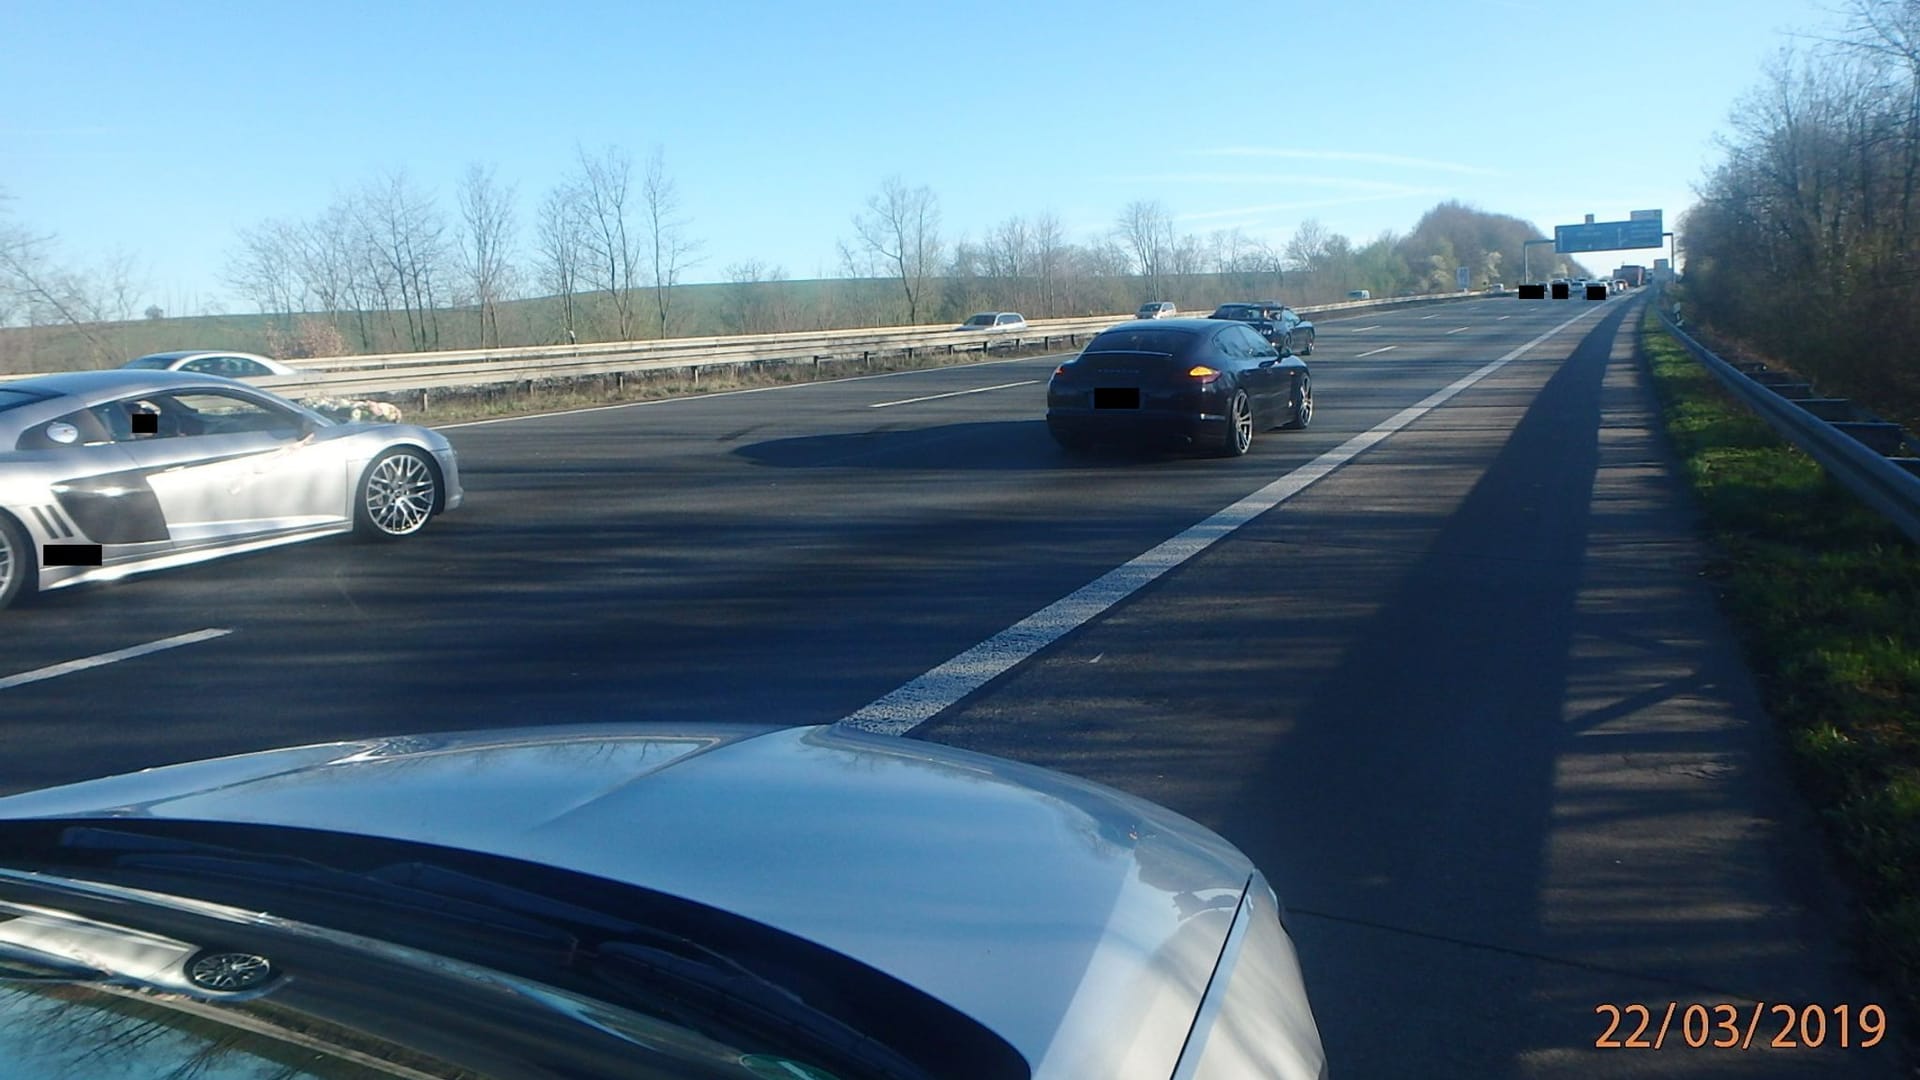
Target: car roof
point(118, 381)
point(1192, 325)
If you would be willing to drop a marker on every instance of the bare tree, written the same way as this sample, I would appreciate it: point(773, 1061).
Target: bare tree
point(561, 239)
point(672, 251)
point(486, 209)
point(1007, 262)
point(1311, 244)
point(603, 188)
point(1145, 232)
point(753, 298)
point(404, 233)
point(36, 289)
point(266, 269)
point(901, 229)
point(1049, 261)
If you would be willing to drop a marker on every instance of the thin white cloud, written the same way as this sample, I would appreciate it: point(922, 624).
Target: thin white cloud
point(1345, 183)
point(1358, 156)
point(1254, 213)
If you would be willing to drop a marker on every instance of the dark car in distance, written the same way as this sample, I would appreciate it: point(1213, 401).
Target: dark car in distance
point(1179, 382)
point(1275, 321)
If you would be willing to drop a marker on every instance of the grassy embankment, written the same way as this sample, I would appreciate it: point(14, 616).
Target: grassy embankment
point(1826, 598)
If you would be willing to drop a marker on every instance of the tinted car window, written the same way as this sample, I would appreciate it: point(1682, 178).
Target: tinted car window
point(1170, 342)
point(1229, 343)
point(980, 320)
point(1236, 311)
point(149, 363)
point(1256, 345)
point(205, 412)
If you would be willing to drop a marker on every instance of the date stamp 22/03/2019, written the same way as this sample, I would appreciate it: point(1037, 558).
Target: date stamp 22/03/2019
point(1744, 1026)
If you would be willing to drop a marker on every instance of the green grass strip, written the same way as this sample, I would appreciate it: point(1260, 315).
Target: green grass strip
point(1825, 596)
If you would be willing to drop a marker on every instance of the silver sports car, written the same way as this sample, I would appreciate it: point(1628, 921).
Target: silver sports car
point(110, 473)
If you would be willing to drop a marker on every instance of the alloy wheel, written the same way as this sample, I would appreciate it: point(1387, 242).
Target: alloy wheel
point(229, 971)
point(400, 493)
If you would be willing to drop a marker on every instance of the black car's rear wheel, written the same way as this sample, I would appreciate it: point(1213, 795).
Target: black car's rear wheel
point(1302, 404)
point(1308, 351)
point(18, 566)
point(1239, 436)
point(397, 495)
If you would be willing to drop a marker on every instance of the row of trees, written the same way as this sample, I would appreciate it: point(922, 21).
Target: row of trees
point(389, 266)
point(37, 288)
point(1806, 240)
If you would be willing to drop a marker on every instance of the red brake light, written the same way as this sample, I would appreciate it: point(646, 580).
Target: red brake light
point(1202, 372)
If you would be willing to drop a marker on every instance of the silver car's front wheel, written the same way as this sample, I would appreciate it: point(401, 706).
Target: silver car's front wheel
point(16, 560)
point(397, 495)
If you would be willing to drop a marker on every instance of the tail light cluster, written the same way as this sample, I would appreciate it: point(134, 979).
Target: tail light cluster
point(1202, 373)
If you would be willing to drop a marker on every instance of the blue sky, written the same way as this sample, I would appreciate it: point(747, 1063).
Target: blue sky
point(161, 130)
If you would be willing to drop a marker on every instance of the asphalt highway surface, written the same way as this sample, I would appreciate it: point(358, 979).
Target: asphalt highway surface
point(1450, 673)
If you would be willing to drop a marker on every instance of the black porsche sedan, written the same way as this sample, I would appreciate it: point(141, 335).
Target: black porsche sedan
point(1276, 322)
point(1178, 382)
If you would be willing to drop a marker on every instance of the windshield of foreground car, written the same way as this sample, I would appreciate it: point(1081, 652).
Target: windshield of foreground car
point(641, 963)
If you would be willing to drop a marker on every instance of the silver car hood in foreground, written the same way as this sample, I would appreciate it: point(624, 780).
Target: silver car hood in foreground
point(1079, 923)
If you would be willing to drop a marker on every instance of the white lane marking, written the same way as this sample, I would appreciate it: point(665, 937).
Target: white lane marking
point(1357, 329)
point(954, 393)
point(1435, 315)
point(748, 390)
point(1502, 317)
point(1374, 352)
point(907, 707)
point(1457, 329)
point(101, 660)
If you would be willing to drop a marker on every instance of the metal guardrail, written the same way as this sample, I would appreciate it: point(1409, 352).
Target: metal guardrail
point(399, 373)
point(1871, 458)
point(409, 372)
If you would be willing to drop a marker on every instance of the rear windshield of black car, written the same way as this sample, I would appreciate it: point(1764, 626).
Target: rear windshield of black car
point(1170, 342)
point(1244, 314)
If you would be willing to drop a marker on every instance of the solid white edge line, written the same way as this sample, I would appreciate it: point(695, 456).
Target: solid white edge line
point(951, 393)
point(1358, 329)
point(907, 707)
point(102, 659)
point(748, 390)
point(1376, 352)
